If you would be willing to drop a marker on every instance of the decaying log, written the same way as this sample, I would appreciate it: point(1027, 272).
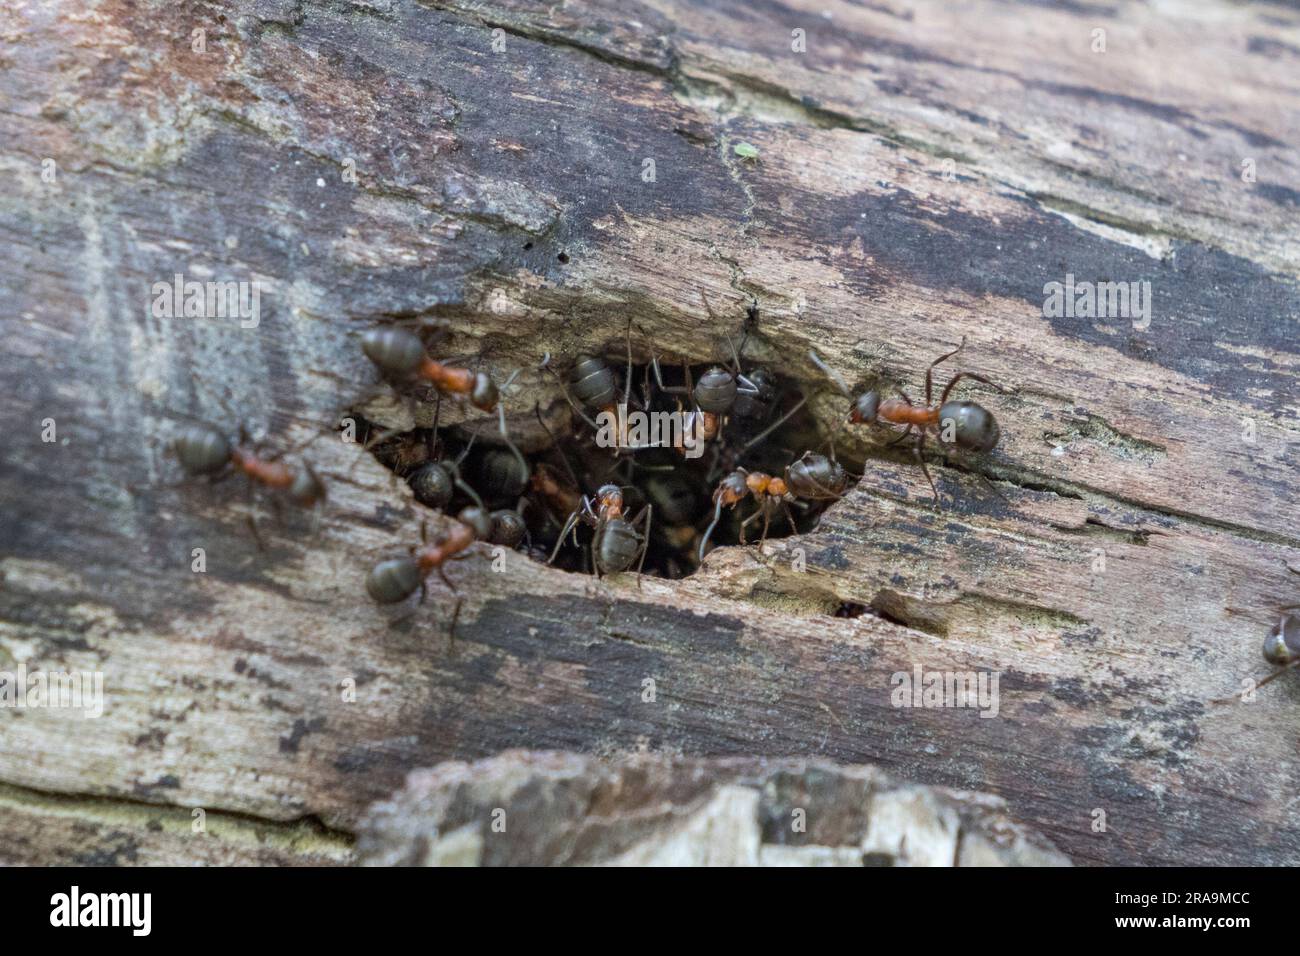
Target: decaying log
point(924, 171)
point(545, 809)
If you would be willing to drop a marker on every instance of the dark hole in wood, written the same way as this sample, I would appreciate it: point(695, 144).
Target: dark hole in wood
point(680, 489)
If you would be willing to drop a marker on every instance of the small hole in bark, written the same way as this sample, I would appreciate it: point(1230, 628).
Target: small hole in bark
point(527, 246)
point(563, 257)
point(851, 609)
point(680, 488)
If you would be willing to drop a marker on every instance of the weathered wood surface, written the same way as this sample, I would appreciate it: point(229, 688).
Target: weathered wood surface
point(524, 808)
point(503, 191)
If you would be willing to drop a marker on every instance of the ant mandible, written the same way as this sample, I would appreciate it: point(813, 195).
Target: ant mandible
point(964, 424)
point(813, 477)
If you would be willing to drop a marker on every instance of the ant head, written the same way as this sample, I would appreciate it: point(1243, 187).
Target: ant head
point(865, 408)
point(508, 528)
point(733, 487)
point(478, 519)
point(715, 392)
point(973, 426)
point(485, 394)
point(394, 350)
point(307, 488)
point(1282, 646)
point(201, 450)
point(393, 580)
point(432, 485)
point(610, 496)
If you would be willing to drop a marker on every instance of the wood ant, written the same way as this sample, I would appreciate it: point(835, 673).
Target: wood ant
point(202, 450)
point(616, 543)
point(715, 394)
point(400, 354)
point(964, 424)
point(1281, 645)
point(396, 579)
point(596, 386)
point(813, 477)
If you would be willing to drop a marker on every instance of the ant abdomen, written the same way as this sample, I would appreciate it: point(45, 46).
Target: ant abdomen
point(1282, 646)
point(502, 476)
point(432, 485)
point(508, 528)
point(395, 350)
point(201, 450)
point(973, 426)
point(393, 580)
point(593, 382)
point(617, 547)
point(715, 392)
point(816, 478)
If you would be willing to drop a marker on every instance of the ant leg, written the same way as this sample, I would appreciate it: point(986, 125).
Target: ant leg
point(918, 451)
point(789, 516)
point(767, 521)
point(645, 540)
point(830, 373)
point(752, 517)
point(929, 372)
point(1267, 680)
point(505, 437)
point(979, 378)
point(906, 431)
point(627, 377)
point(708, 532)
point(564, 533)
point(257, 535)
point(568, 466)
point(455, 616)
point(669, 389)
point(773, 427)
point(564, 388)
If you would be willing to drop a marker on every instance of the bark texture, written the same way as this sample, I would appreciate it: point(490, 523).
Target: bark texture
point(923, 170)
point(546, 809)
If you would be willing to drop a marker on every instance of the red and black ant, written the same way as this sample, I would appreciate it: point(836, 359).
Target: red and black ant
point(202, 450)
point(616, 543)
point(396, 579)
point(813, 477)
point(400, 354)
point(966, 425)
point(597, 389)
point(715, 394)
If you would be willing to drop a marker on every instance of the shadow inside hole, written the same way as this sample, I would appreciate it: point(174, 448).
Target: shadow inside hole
point(680, 488)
